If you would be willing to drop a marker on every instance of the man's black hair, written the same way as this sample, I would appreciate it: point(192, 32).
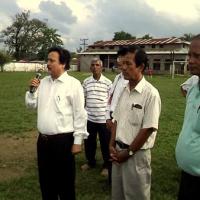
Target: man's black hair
point(122, 51)
point(140, 55)
point(64, 55)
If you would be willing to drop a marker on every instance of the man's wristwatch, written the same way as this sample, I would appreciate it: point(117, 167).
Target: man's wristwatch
point(130, 152)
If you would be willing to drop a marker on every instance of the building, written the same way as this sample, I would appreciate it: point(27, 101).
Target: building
point(162, 53)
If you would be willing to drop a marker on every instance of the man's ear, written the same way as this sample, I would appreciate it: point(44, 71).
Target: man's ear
point(142, 67)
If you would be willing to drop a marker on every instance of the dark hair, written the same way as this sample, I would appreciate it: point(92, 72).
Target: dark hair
point(64, 55)
point(122, 51)
point(140, 55)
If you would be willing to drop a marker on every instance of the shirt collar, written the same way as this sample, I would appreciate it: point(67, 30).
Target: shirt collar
point(139, 87)
point(100, 79)
point(61, 78)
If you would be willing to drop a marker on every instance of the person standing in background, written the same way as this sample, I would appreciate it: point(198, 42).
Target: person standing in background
point(118, 86)
point(96, 90)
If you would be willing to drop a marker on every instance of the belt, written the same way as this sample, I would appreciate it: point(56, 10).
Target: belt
point(122, 145)
point(59, 135)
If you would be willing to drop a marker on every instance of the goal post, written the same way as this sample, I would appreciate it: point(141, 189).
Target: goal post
point(173, 66)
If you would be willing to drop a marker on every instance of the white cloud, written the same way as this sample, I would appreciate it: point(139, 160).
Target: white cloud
point(99, 19)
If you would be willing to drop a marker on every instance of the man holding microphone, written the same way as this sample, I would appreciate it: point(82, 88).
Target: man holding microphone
point(61, 122)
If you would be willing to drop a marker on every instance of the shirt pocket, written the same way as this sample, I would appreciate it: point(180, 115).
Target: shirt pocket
point(60, 103)
point(136, 115)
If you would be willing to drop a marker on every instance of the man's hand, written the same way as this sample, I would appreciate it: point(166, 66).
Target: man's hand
point(122, 156)
point(109, 124)
point(76, 148)
point(113, 154)
point(35, 82)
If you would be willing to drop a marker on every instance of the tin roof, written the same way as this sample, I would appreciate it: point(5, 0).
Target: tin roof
point(159, 41)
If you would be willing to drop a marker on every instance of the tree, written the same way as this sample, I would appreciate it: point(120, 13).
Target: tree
point(26, 38)
point(123, 36)
point(146, 36)
point(187, 37)
point(4, 58)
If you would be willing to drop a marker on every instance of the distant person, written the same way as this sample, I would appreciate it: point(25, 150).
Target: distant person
point(134, 131)
point(188, 84)
point(118, 86)
point(96, 89)
point(188, 144)
point(115, 93)
point(61, 123)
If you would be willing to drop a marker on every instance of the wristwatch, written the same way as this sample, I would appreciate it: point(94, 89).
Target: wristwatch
point(130, 152)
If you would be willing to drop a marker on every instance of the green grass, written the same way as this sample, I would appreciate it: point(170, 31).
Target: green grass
point(15, 119)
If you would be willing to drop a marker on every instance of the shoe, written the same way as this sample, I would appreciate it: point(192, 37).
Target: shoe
point(85, 167)
point(104, 172)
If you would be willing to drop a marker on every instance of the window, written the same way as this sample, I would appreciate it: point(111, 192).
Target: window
point(153, 46)
point(167, 66)
point(156, 66)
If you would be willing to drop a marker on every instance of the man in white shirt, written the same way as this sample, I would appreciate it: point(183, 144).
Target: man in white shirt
point(61, 123)
point(118, 86)
point(114, 95)
point(96, 90)
point(133, 133)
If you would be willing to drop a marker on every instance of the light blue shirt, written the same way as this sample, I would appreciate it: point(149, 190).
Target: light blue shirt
point(188, 145)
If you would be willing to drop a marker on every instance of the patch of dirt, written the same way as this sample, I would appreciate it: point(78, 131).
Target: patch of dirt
point(16, 155)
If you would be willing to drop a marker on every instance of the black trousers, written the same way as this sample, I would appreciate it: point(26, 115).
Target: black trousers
point(56, 166)
point(189, 187)
point(91, 143)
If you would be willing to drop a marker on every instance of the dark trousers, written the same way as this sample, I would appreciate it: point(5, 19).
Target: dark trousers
point(91, 143)
point(189, 187)
point(56, 166)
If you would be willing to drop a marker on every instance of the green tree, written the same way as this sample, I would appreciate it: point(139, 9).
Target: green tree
point(26, 37)
point(146, 36)
point(187, 37)
point(123, 36)
point(4, 58)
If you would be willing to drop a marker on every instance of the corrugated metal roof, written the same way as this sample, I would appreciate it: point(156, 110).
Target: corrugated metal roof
point(162, 41)
point(184, 52)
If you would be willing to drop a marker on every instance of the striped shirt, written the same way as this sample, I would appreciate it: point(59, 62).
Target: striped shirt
point(96, 98)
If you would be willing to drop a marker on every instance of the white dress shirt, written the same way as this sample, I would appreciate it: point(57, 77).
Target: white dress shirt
point(118, 86)
point(137, 109)
point(60, 106)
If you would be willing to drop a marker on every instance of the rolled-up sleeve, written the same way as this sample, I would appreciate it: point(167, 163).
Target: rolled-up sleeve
point(79, 114)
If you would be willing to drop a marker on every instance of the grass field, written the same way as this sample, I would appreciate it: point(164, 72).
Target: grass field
point(18, 180)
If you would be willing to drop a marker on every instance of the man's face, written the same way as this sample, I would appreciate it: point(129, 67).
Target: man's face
point(96, 68)
point(120, 62)
point(55, 68)
point(194, 57)
point(129, 69)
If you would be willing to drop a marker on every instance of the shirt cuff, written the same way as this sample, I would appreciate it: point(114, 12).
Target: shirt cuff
point(78, 139)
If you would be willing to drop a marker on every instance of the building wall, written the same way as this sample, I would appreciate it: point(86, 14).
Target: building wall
point(16, 66)
point(85, 61)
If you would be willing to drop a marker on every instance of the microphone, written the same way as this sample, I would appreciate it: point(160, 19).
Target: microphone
point(33, 88)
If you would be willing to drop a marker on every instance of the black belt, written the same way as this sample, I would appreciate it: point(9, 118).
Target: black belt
point(122, 145)
point(59, 135)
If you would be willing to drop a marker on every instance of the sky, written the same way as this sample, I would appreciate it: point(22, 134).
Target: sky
point(99, 19)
